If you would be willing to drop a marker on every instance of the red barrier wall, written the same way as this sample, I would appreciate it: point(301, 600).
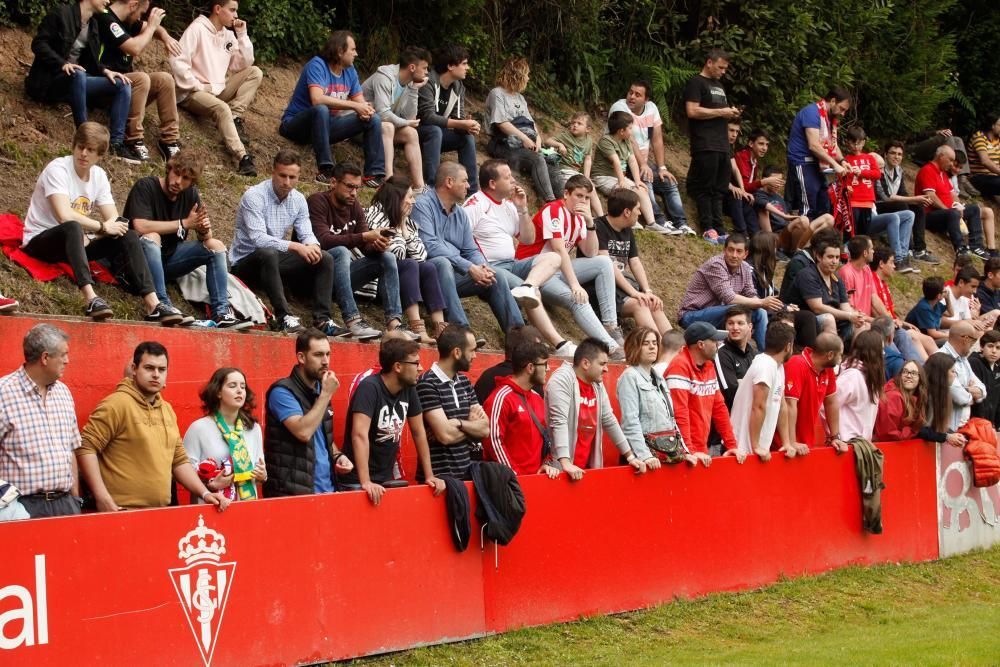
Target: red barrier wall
point(318, 578)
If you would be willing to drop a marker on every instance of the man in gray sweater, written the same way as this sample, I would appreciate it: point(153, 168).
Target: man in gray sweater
point(441, 110)
point(579, 412)
point(392, 91)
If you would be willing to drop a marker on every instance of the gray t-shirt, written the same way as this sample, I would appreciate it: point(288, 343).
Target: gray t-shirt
point(79, 45)
point(503, 107)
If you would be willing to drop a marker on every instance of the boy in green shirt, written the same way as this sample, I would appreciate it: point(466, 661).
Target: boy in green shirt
point(576, 155)
point(613, 162)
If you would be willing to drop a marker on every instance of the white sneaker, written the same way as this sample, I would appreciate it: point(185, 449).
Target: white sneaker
point(658, 228)
point(527, 296)
point(566, 351)
point(670, 229)
point(686, 229)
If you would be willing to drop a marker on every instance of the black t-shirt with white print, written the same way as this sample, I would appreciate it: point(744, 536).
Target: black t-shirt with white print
point(388, 415)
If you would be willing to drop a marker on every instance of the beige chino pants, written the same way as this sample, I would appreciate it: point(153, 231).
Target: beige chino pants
point(232, 102)
point(148, 88)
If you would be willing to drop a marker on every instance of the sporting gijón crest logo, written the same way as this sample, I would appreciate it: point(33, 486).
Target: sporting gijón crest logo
point(203, 585)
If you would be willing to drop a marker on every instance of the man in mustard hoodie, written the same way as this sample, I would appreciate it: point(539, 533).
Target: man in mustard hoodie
point(215, 75)
point(132, 448)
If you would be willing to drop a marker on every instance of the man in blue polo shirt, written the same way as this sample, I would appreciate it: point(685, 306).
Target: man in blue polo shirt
point(462, 268)
point(328, 106)
point(812, 147)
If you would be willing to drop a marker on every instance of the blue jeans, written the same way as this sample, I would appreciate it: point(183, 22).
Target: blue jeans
point(186, 258)
point(86, 90)
point(716, 316)
point(671, 199)
point(906, 346)
point(318, 126)
point(897, 226)
point(350, 273)
point(434, 140)
point(454, 287)
point(556, 292)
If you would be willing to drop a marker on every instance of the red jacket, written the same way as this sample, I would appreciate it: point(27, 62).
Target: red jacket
point(698, 403)
point(889, 424)
point(863, 184)
point(749, 169)
point(514, 440)
point(981, 450)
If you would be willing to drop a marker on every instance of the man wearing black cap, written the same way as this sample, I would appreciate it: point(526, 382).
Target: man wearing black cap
point(694, 389)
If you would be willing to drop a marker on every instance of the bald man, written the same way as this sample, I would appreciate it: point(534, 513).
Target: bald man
point(966, 389)
point(810, 384)
point(944, 211)
point(462, 268)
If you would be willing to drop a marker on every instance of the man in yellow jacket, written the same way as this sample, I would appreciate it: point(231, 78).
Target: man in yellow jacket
point(132, 448)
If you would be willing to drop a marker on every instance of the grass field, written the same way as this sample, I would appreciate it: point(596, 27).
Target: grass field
point(940, 613)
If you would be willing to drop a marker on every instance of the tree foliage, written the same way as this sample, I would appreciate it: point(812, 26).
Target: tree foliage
point(899, 56)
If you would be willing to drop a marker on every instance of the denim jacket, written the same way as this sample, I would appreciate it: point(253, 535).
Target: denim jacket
point(647, 405)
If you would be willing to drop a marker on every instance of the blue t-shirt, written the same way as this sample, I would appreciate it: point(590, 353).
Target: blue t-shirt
point(317, 73)
point(284, 405)
point(924, 316)
point(762, 198)
point(798, 146)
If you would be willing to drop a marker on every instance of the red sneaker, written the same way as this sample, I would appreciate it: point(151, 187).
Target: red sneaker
point(8, 305)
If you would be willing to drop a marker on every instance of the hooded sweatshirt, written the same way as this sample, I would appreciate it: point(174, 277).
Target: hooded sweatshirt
point(137, 445)
point(514, 439)
point(207, 56)
point(378, 90)
point(434, 101)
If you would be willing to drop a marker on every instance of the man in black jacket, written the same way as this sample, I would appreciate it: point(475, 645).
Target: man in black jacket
point(67, 68)
point(299, 450)
point(891, 196)
point(986, 365)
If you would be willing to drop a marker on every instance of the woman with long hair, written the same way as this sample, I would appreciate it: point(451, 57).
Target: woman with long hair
point(514, 137)
point(226, 446)
point(860, 386)
point(763, 260)
point(644, 399)
point(903, 410)
point(940, 370)
point(418, 279)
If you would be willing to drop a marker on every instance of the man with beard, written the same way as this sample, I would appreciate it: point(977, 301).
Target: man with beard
point(812, 148)
point(809, 384)
point(759, 407)
point(380, 409)
point(132, 448)
point(455, 421)
point(164, 211)
point(517, 436)
point(299, 451)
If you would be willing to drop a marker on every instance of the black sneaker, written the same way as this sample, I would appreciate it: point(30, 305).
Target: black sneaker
point(127, 154)
point(374, 182)
point(98, 309)
point(289, 324)
point(186, 320)
point(241, 132)
point(324, 175)
point(165, 314)
point(962, 250)
point(981, 253)
point(247, 167)
point(781, 256)
point(168, 150)
point(480, 342)
point(230, 321)
point(334, 330)
point(926, 257)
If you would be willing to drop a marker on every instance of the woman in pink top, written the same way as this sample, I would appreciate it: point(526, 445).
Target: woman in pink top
point(860, 386)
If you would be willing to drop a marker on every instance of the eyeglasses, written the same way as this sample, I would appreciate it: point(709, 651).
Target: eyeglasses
point(352, 188)
point(968, 337)
point(543, 364)
point(911, 374)
point(413, 363)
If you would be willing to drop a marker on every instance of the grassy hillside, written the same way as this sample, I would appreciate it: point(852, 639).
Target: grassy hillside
point(32, 134)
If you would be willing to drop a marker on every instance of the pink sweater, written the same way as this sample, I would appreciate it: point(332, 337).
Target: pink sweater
point(207, 56)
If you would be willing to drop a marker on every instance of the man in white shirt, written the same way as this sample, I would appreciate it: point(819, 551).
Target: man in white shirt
point(966, 389)
point(498, 214)
point(759, 407)
point(647, 133)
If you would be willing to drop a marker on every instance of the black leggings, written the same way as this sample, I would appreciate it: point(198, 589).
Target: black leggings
point(64, 243)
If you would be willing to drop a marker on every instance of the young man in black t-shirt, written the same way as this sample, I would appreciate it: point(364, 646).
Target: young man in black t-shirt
point(633, 296)
point(455, 421)
point(379, 410)
point(165, 211)
point(124, 35)
point(708, 111)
